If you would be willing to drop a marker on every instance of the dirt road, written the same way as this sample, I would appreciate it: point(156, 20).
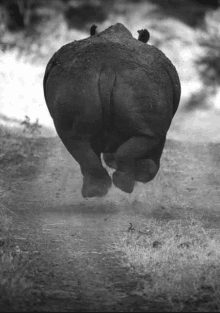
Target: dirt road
point(70, 241)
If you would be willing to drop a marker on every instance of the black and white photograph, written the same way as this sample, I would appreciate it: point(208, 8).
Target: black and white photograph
point(109, 156)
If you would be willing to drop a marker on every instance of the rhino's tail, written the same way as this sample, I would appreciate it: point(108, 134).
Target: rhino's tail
point(106, 85)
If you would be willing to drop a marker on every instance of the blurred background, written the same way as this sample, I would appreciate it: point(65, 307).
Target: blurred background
point(187, 31)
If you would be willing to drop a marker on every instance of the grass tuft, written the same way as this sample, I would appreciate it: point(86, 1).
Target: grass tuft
point(14, 286)
point(178, 261)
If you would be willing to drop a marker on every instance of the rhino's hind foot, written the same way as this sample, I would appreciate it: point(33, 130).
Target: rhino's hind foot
point(145, 170)
point(124, 181)
point(110, 160)
point(93, 187)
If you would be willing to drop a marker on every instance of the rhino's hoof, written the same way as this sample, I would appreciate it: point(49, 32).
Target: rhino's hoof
point(124, 181)
point(93, 187)
point(146, 170)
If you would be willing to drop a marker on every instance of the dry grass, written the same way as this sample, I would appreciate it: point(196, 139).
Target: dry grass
point(13, 264)
point(13, 283)
point(5, 218)
point(15, 150)
point(178, 262)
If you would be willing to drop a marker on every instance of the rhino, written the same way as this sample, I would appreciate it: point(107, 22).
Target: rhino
point(112, 95)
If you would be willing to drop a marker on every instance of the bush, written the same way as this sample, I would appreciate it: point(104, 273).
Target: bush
point(208, 63)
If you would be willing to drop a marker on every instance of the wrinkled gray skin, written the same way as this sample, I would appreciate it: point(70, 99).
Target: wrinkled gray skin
point(112, 94)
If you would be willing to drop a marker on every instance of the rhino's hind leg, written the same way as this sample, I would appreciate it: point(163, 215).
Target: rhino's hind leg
point(96, 180)
point(145, 170)
point(126, 156)
point(95, 186)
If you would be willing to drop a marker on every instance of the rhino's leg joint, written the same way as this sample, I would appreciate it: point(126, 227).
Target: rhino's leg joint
point(110, 160)
point(96, 180)
point(146, 170)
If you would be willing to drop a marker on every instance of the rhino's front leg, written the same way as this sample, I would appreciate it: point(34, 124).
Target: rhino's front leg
point(96, 180)
point(126, 158)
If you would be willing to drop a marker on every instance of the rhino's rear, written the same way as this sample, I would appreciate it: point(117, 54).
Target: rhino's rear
point(109, 84)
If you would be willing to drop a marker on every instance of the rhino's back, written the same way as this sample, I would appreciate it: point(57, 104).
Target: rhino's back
point(116, 48)
point(129, 53)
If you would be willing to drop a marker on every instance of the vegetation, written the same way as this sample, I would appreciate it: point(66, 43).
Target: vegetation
point(178, 263)
point(17, 152)
point(29, 127)
point(13, 282)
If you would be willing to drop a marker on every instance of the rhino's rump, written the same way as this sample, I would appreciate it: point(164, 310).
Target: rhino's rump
point(142, 105)
point(74, 102)
point(137, 97)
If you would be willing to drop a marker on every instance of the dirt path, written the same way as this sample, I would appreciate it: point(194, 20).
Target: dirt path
point(70, 241)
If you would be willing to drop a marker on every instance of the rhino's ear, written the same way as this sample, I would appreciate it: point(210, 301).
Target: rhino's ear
point(93, 30)
point(144, 35)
